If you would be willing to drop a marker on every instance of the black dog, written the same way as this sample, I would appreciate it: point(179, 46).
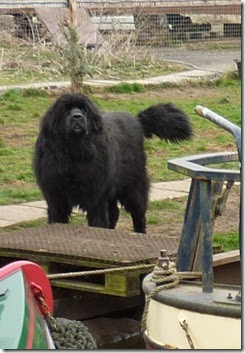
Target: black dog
point(92, 159)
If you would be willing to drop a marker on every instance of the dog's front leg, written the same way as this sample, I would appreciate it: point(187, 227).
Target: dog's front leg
point(98, 217)
point(59, 209)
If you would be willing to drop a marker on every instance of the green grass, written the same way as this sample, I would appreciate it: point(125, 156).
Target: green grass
point(228, 241)
point(21, 112)
point(165, 211)
point(126, 88)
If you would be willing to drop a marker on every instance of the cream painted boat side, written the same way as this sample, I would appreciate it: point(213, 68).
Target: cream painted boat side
point(206, 331)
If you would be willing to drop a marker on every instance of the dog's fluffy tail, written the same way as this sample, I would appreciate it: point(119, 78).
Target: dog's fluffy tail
point(165, 121)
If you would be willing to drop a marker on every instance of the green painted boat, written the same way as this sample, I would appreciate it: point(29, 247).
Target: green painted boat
point(25, 300)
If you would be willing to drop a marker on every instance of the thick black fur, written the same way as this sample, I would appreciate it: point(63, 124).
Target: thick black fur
point(92, 159)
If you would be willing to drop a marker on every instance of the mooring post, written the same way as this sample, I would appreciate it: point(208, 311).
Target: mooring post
point(207, 243)
point(190, 232)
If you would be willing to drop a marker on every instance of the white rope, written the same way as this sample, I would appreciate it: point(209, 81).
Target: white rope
point(96, 272)
point(167, 277)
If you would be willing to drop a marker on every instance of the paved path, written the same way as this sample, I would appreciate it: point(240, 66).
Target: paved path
point(209, 64)
point(191, 75)
point(11, 214)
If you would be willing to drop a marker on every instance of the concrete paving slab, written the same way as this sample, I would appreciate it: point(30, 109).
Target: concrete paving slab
point(169, 190)
point(38, 204)
point(4, 223)
point(156, 196)
point(177, 185)
point(176, 77)
point(20, 213)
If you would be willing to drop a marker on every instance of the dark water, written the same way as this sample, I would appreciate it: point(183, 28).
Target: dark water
point(131, 343)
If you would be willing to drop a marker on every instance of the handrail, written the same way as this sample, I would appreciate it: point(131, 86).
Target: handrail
point(195, 166)
point(222, 122)
point(195, 249)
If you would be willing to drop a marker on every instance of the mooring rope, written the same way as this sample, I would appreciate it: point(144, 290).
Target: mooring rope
point(166, 277)
point(98, 272)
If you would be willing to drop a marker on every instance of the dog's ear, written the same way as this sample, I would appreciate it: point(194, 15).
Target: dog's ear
point(49, 123)
point(94, 116)
point(96, 121)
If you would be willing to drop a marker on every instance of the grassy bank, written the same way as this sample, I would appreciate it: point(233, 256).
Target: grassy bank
point(21, 112)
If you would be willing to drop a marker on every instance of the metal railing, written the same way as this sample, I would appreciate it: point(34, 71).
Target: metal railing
point(195, 250)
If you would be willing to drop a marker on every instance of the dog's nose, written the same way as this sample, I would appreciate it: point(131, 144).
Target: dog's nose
point(76, 113)
point(79, 122)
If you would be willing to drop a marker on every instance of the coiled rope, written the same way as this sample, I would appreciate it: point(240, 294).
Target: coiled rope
point(166, 277)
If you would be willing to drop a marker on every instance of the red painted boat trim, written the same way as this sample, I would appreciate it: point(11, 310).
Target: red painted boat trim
point(34, 273)
point(30, 338)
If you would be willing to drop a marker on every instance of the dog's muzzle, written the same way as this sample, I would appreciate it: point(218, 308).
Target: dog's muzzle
point(78, 121)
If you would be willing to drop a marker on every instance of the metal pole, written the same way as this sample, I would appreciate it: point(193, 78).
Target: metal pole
point(207, 247)
point(233, 129)
point(224, 123)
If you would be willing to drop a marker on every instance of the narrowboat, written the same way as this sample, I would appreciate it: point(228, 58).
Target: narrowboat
point(25, 302)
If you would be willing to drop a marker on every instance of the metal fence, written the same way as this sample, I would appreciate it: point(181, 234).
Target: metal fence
point(142, 23)
point(127, 39)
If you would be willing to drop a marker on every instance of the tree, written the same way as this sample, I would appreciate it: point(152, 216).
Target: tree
point(75, 58)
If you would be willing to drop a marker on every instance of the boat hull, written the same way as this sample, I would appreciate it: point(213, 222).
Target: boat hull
point(22, 324)
point(186, 318)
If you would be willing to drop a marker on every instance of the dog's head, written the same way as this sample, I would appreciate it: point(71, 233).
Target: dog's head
point(77, 122)
point(73, 114)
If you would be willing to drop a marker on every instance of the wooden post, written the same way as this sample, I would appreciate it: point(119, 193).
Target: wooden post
point(73, 16)
point(73, 10)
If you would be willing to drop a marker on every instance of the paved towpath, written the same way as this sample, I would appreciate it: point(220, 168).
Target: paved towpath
point(28, 211)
